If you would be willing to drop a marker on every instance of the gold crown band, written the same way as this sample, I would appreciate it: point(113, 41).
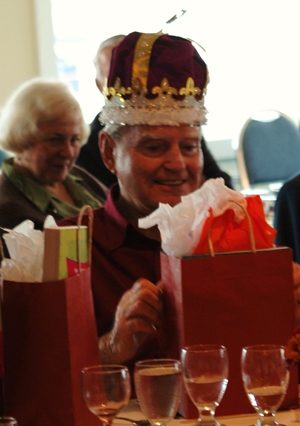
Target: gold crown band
point(141, 59)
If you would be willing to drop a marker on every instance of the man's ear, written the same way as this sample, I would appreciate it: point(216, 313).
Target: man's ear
point(107, 148)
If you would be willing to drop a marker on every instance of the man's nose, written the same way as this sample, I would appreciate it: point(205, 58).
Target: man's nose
point(175, 159)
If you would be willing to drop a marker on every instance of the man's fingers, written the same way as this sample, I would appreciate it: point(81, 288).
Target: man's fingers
point(142, 285)
point(140, 325)
point(146, 300)
point(147, 312)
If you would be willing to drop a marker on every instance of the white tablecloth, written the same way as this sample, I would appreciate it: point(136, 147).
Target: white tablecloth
point(133, 411)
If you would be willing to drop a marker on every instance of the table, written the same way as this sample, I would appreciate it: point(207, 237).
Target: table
point(133, 411)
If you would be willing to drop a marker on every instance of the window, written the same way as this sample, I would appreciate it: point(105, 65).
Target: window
point(251, 50)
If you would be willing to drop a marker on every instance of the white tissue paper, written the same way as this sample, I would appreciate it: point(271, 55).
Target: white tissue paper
point(26, 249)
point(181, 226)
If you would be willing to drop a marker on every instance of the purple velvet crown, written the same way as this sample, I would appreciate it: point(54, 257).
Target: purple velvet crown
point(155, 74)
point(172, 57)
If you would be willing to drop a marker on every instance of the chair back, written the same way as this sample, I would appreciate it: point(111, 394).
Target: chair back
point(269, 150)
point(3, 156)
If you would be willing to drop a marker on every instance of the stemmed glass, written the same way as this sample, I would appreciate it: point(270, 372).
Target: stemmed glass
point(205, 372)
point(105, 390)
point(265, 376)
point(158, 385)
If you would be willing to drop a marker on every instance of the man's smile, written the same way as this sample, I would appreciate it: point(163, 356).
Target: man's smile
point(171, 182)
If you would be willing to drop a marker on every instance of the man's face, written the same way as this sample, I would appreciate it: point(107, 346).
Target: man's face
point(157, 165)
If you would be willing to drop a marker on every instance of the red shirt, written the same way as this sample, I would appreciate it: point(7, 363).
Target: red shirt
point(120, 255)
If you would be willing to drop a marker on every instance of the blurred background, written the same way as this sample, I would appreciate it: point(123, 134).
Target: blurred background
point(251, 50)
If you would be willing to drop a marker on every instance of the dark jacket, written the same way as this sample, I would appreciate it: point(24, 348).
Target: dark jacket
point(287, 216)
point(90, 159)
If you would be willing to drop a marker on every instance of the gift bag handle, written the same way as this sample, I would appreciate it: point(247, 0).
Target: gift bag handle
point(79, 221)
point(251, 234)
point(90, 232)
point(1, 249)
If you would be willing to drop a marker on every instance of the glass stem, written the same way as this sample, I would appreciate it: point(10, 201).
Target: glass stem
point(207, 416)
point(266, 419)
point(106, 422)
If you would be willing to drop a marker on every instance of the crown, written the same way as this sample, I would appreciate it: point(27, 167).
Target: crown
point(150, 98)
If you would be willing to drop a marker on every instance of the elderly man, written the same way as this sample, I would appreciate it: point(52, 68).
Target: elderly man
point(90, 157)
point(152, 143)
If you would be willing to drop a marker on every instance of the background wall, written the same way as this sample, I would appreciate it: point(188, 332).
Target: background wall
point(18, 45)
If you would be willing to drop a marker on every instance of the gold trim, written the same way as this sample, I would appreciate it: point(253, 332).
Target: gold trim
point(190, 89)
point(164, 88)
point(141, 59)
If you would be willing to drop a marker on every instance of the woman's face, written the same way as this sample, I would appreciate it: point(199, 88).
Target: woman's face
point(53, 152)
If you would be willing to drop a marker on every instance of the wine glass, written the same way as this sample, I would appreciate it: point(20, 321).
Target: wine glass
point(105, 390)
point(265, 376)
point(205, 372)
point(158, 385)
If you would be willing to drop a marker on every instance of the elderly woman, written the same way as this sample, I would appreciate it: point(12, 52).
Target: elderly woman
point(43, 126)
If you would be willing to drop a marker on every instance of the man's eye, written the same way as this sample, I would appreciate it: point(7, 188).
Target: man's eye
point(75, 141)
point(191, 148)
point(152, 149)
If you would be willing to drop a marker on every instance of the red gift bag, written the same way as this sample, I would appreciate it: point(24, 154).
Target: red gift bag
point(49, 333)
point(234, 299)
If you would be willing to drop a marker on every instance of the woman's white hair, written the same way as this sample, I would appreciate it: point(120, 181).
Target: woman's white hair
point(35, 102)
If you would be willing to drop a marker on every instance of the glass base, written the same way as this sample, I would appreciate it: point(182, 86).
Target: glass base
point(267, 423)
point(209, 422)
point(207, 416)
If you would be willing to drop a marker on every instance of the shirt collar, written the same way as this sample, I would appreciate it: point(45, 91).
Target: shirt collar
point(115, 221)
point(118, 228)
point(38, 195)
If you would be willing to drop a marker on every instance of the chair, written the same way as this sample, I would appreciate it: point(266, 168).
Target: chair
point(269, 148)
point(3, 156)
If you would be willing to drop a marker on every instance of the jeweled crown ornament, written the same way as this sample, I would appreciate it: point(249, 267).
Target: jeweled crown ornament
point(155, 79)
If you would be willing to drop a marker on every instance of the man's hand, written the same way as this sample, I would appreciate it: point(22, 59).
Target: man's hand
point(138, 314)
